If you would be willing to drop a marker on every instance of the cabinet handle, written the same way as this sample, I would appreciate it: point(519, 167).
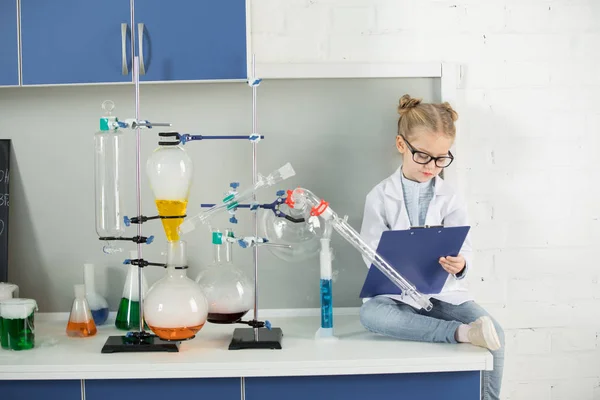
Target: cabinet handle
point(141, 48)
point(124, 69)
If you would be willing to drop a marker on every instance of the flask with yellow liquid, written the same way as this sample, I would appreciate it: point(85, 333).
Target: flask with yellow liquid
point(169, 170)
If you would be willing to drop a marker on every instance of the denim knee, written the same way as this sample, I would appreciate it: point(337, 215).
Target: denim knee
point(366, 314)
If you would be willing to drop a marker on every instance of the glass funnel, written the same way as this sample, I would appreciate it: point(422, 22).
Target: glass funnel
point(229, 292)
point(169, 170)
point(175, 308)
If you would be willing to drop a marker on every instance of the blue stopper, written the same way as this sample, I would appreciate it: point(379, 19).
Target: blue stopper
point(234, 185)
point(183, 139)
point(280, 193)
point(150, 239)
point(126, 220)
point(242, 244)
point(233, 220)
point(127, 261)
point(268, 325)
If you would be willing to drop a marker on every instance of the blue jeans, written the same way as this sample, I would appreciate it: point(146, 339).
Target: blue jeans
point(389, 317)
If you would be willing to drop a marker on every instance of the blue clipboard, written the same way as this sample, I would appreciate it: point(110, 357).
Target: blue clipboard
point(415, 254)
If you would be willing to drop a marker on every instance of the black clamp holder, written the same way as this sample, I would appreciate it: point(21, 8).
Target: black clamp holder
point(141, 219)
point(135, 239)
point(172, 142)
point(140, 262)
point(256, 324)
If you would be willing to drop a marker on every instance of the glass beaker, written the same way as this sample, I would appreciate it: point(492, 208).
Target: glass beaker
point(17, 324)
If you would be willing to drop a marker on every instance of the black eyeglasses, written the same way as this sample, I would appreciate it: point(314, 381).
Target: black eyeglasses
point(423, 158)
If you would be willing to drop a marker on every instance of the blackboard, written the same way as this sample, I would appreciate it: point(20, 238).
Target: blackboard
point(4, 194)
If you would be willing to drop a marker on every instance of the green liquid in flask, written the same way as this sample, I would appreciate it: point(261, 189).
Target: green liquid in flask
point(128, 315)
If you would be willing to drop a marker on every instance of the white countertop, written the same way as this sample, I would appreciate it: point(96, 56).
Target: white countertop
point(357, 351)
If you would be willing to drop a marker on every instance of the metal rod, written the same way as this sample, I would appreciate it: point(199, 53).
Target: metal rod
point(254, 180)
point(138, 182)
point(226, 137)
point(138, 158)
point(151, 124)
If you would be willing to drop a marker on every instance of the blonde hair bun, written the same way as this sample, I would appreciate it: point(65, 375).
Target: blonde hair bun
point(407, 103)
point(450, 110)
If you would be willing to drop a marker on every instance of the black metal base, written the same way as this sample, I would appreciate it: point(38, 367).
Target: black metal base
point(137, 344)
point(243, 338)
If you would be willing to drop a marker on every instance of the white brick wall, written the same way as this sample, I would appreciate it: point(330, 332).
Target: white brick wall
point(530, 116)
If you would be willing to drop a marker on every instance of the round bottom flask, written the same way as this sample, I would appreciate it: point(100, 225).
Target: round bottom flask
point(175, 308)
point(303, 240)
point(229, 293)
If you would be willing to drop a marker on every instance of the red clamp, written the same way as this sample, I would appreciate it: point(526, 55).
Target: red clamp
point(289, 200)
point(320, 209)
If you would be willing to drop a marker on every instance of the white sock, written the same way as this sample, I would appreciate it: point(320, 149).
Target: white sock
point(462, 334)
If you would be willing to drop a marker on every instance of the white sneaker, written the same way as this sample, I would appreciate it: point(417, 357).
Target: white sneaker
point(483, 333)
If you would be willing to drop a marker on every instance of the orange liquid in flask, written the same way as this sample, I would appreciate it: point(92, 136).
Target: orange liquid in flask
point(181, 333)
point(81, 329)
point(171, 208)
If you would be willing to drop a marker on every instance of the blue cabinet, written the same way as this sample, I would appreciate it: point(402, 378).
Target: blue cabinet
point(74, 41)
point(191, 39)
point(40, 390)
point(9, 43)
point(430, 386)
point(161, 389)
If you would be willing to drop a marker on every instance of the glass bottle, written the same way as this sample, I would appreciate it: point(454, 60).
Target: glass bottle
point(81, 323)
point(128, 314)
point(97, 303)
point(175, 308)
point(107, 168)
point(229, 292)
point(169, 171)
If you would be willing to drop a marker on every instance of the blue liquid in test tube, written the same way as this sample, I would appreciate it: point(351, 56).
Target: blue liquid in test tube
point(326, 304)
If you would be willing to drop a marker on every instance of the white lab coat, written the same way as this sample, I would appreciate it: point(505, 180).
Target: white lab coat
point(385, 210)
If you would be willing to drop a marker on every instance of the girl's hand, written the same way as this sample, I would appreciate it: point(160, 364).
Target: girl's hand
point(453, 265)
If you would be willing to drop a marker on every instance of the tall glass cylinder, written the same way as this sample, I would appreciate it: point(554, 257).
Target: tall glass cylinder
point(107, 162)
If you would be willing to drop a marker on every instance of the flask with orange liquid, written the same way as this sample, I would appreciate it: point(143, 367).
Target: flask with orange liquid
point(175, 308)
point(81, 323)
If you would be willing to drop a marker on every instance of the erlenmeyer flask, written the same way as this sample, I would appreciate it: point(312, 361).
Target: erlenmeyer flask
point(97, 303)
point(229, 293)
point(169, 170)
point(81, 323)
point(128, 315)
point(175, 308)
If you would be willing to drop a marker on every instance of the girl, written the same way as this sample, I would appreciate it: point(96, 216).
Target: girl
point(415, 196)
